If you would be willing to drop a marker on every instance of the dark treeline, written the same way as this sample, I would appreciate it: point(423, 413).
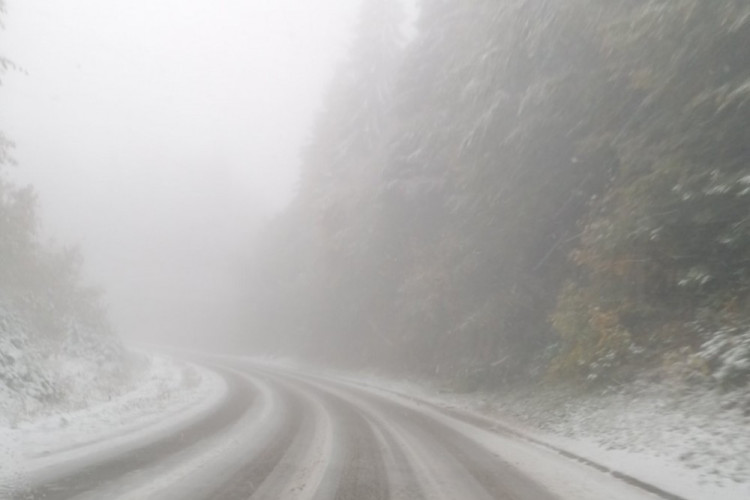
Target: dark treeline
point(526, 189)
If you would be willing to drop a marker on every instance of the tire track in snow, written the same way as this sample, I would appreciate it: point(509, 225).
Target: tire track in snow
point(431, 460)
point(288, 436)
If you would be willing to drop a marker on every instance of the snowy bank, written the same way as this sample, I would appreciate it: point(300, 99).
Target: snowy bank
point(47, 368)
point(163, 390)
point(692, 443)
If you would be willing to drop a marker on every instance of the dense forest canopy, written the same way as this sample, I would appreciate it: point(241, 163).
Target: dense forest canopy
point(526, 189)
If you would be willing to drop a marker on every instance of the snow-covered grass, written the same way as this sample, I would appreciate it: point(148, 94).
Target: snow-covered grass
point(694, 443)
point(159, 389)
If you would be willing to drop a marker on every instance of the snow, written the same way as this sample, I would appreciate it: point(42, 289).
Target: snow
point(164, 393)
point(43, 374)
point(687, 444)
point(728, 351)
point(690, 442)
point(564, 478)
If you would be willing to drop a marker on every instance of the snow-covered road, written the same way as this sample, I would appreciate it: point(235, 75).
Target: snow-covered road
point(274, 433)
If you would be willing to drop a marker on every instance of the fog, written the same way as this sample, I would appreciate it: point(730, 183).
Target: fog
point(337, 219)
point(159, 136)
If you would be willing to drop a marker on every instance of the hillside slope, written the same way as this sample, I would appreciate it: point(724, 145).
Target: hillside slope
point(527, 191)
point(57, 349)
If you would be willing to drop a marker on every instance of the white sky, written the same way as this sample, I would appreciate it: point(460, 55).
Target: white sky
point(159, 132)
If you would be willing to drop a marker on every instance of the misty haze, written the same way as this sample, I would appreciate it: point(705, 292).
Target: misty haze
point(375, 249)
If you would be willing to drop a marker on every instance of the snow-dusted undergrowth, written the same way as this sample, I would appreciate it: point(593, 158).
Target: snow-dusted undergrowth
point(42, 374)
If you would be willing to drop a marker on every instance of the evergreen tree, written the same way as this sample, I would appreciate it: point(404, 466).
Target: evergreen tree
point(527, 188)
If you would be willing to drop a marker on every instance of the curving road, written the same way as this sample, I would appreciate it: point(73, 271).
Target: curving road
point(284, 435)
